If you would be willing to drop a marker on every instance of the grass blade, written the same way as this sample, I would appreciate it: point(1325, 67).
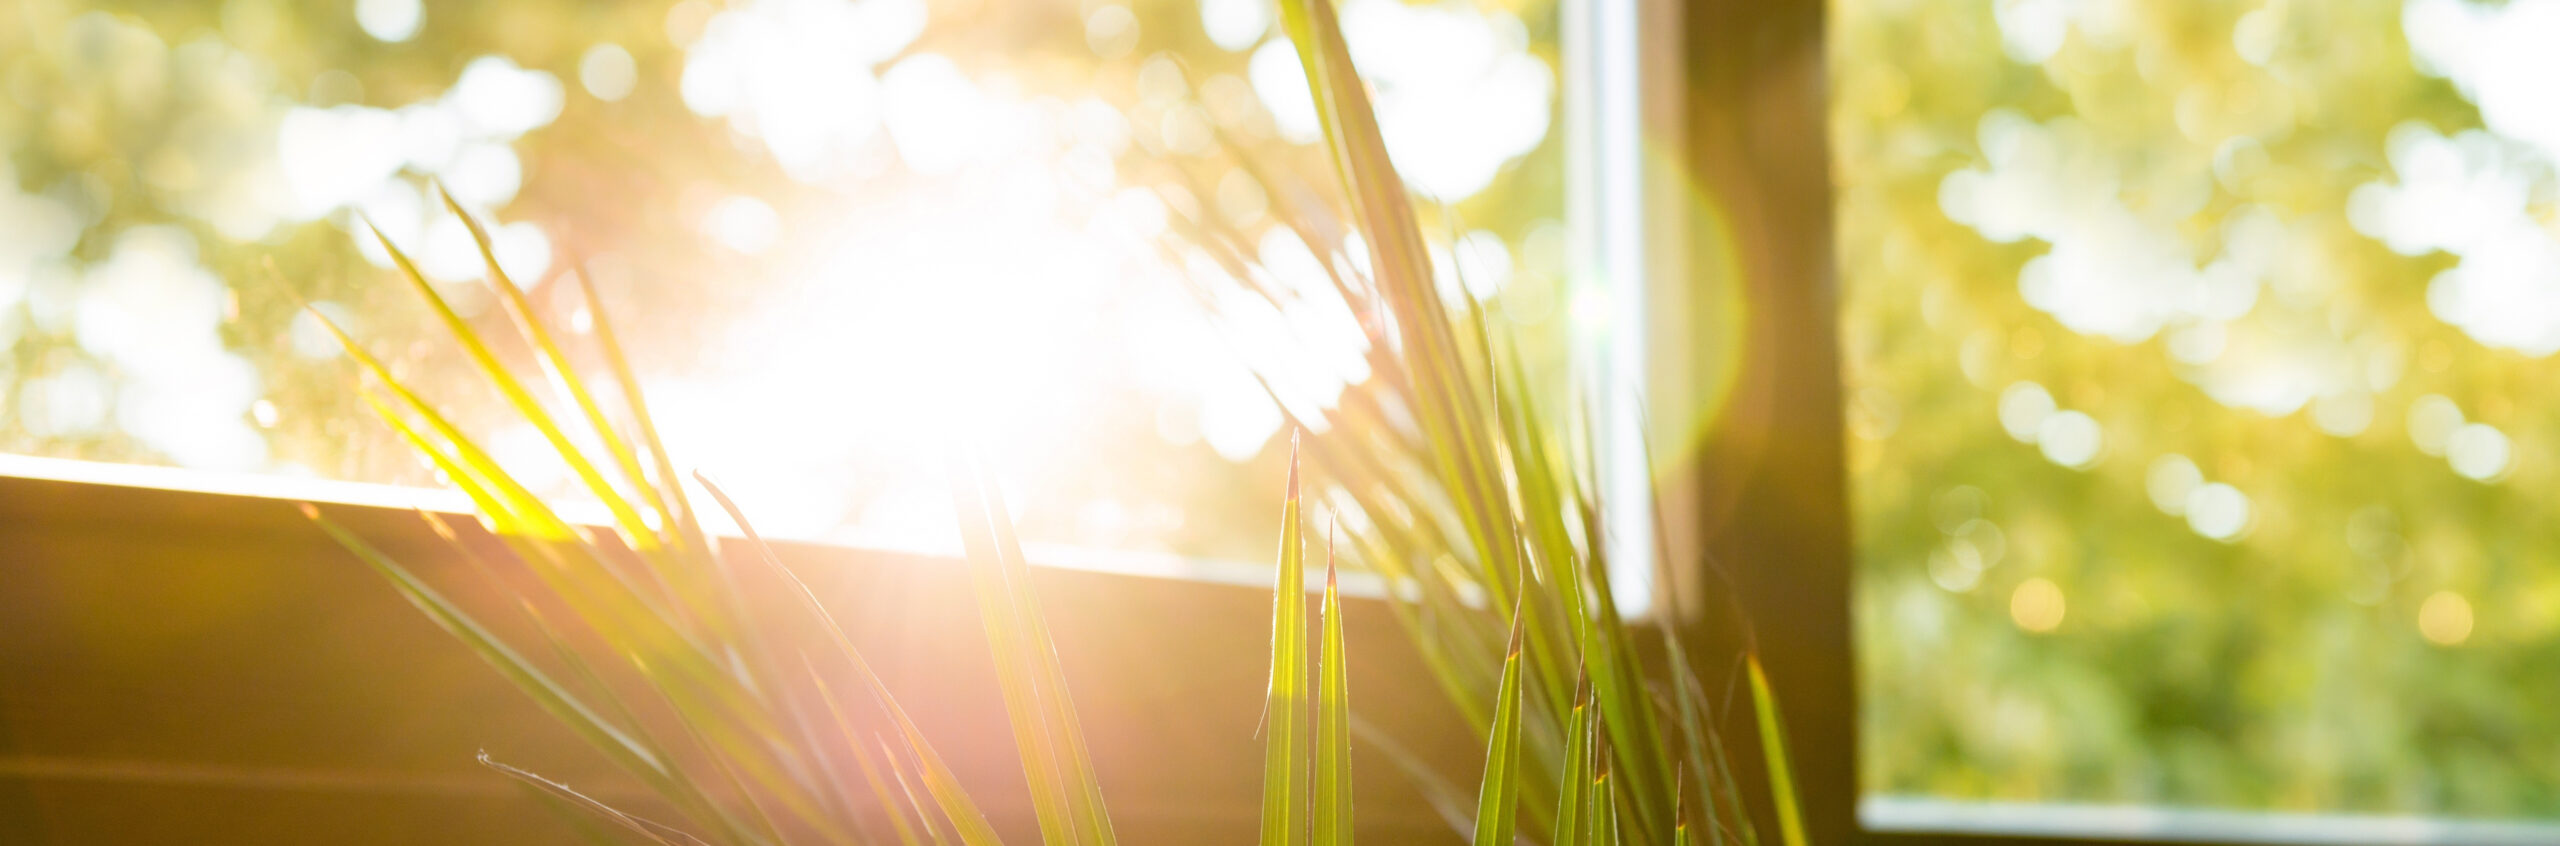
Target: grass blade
point(579, 820)
point(1333, 718)
point(864, 759)
point(517, 511)
point(516, 395)
point(670, 486)
point(1773, 741)
point(1448, 410)
point(906, 789)
point(1284, 755)
point(1604, 797)
point(1061, 792)
point(658, 833)
point(553, 697)
point(1574, 808)
point(1498, 798)
point(615, 610)
point(1680, 811)
point(687, 583)
point(969, 823)
point(556, 363)
point(1048, 681)
point(684, 792)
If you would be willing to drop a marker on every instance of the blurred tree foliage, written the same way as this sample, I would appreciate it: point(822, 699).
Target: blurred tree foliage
point(2139, 304)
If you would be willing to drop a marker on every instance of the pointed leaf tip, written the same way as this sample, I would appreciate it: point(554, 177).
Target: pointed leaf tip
point(1293, 464)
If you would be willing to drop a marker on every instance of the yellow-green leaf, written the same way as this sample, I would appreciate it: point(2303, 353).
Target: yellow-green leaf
point(1498, 798)
point(1574, 808)
point(1333, 724)
point(1284, 755)
point(1773, 741)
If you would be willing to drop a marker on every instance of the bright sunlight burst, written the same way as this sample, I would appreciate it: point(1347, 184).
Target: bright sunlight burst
point(849, 232)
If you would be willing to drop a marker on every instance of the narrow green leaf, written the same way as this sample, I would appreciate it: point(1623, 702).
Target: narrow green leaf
point(616, 607)
point(864, 758)
point(1604, 798)
point(659, 833)
point(579, 820)
point(669, 485)
point(906, 788)
point(679, 787)
point(517, 511)
point(553, 698)
point(1048, 678)
point(709, 697)
point(1735, 808)
point(1573, 809)
point(1498, 798)
point(1445, 406)
point(969, 823)
point(1284, 754)
point(1773, 741)
point(686, 583)
point(1409, 613)
point(1680, 815)
point(730, 760)
point(1690, 701)
point(613, 607)
point(1688, 694)
point(1625, 703)
point(1333, 719)
point(555, 362)
point(1017, 676)
point(515, 393)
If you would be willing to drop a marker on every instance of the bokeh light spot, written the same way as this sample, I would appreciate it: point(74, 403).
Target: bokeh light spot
point(608, 72)
point(2445, 618)
point(2036, 605)
point(390, 20)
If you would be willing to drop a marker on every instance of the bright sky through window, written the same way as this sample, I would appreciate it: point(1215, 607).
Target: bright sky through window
point(830, 229)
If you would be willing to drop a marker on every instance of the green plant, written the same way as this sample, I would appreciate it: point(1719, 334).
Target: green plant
point(732, 717)
point(1456, 487)
point(742, 731)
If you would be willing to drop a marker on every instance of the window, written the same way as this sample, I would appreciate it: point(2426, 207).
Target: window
point(829, 230)
point(2191, 363)
point(826, 228)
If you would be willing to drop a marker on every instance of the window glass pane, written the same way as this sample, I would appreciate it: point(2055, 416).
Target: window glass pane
point(835, 236)
point(2194, 354)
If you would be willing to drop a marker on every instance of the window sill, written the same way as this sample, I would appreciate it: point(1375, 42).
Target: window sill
point(187, 654)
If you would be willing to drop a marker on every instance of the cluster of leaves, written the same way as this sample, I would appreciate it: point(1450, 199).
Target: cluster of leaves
point(1458, 491)
point(738, 721)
